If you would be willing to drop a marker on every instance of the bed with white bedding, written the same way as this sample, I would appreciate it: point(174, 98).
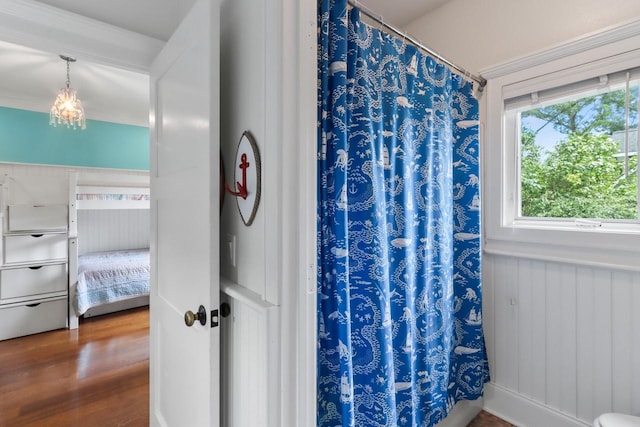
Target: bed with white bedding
point(108, 215)
point(111, 277)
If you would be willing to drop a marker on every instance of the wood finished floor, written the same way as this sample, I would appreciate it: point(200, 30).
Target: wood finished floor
point(97, 375)
point(485, 419)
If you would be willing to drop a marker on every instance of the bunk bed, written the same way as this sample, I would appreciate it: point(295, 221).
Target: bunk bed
point(107, 274)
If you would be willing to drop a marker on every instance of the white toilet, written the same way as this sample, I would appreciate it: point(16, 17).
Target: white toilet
point(616, 420)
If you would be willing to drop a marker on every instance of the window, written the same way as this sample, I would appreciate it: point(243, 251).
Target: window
point(577, 151)
point(560, 153)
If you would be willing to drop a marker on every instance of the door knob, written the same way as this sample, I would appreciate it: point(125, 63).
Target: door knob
point(190, 317)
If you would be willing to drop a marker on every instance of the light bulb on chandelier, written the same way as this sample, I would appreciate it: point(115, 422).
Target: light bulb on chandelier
point(67, 108)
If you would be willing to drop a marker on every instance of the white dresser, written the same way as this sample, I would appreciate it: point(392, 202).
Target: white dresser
point(34, 270)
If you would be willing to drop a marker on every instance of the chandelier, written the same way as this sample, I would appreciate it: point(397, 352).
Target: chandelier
point(67, 108)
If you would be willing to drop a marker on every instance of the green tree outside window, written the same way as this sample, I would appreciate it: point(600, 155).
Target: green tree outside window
point(583, 175)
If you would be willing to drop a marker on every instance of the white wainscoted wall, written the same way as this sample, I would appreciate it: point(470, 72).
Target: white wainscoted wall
point(98, 230)
point(104, 230)
point(563, 341)
point(33, 169)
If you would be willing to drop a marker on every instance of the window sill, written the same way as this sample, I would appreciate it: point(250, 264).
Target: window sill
point(580, 247)
point(586, 226)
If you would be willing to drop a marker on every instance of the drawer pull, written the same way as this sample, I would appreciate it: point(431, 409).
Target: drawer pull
point(34, 305)
point(37, 235)
point(35, 268)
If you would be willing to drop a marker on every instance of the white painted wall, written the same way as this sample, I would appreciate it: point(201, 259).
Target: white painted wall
point(477, 35)
point(245, 340)
point(563, 340)
point(268, 78)
point(243, 105)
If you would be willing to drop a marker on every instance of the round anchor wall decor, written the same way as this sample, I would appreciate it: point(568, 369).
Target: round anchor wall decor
point(246, 178)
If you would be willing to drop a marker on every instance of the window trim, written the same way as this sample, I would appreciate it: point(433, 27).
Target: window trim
point(615, 245)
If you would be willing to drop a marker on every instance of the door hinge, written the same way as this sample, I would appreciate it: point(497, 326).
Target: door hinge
point(214, 318)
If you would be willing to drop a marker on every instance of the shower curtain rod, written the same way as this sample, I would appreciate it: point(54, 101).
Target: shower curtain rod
point(482, 82)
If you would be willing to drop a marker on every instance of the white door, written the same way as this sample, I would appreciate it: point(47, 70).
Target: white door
point(184, 125)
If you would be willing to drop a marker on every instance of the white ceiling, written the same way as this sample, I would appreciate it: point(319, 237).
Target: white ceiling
point(31, 78)
point(161, 17)
point(153, 18)
point(399, 13)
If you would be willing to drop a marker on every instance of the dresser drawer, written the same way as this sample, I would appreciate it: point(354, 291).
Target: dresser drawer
point(20, 282)
point(19, 320)
point(22, 248)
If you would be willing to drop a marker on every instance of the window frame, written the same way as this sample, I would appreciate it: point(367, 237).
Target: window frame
point(614, 244)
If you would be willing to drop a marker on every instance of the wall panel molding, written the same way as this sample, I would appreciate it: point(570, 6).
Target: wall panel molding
point(563, 341)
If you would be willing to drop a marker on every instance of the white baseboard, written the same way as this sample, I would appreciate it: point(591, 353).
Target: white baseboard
point(524, 412)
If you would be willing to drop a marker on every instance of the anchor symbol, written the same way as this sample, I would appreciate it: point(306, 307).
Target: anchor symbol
point(242, 186)
point(353, 189)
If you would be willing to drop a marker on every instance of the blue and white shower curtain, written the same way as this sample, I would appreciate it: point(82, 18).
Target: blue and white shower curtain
point(399, 297)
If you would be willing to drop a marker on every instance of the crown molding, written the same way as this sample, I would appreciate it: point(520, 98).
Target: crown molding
point(39, 26)
point(610, 35)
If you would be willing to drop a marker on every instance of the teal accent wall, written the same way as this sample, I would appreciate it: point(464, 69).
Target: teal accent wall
point(27, 137)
